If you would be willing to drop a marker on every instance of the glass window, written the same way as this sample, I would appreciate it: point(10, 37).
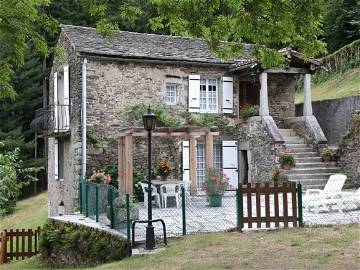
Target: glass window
point(208, 95)
point(201, 168)
point(171, 93)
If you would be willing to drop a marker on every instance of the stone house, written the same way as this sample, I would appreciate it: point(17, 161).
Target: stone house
point(92, 89)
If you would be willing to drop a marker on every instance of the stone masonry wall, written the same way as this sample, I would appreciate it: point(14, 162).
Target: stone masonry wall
point(349, 149)
point(281, 91)
point(66, 190)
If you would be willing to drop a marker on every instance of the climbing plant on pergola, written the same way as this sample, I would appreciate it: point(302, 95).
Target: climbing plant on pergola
point(125, 150)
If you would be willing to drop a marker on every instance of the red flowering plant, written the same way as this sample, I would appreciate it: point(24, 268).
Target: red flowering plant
point(216, 182)
point(100, 177)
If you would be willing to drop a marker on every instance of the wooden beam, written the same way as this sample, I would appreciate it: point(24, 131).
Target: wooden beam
point(129, 163)
point(286, 71)
point(209, 150)
point(121, 182)
point(192, 164)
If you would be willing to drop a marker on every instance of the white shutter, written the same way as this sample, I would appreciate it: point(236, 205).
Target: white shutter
point(230, 161)
point(185, 163)
point(194, 93)
point(55, 102)
point(56, 159)
point(227, 94)
point(65, 110)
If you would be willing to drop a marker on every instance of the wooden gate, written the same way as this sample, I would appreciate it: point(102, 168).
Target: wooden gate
point(269, 205)
point(18, 244)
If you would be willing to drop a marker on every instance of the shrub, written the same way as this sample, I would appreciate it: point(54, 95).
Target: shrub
point(13, 177)
point(213, 121)
point(247, 111)
point(279, 178)
point(64, 244)
point(216, 182)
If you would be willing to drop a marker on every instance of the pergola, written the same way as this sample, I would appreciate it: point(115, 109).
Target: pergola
point(125, 150)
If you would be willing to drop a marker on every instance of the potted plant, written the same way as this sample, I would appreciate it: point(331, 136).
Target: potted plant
point(279, 177)
point(215, 184)
point(327, 155)
point(287, 161)
point(120, 213)
point(100, 177)
point(163, 169)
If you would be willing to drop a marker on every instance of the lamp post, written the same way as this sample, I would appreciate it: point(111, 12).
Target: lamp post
point(149, 120)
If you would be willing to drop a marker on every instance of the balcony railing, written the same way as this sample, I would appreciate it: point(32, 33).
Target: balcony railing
point(53, 119)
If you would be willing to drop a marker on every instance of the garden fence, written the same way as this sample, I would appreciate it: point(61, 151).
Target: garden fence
point(18, 244)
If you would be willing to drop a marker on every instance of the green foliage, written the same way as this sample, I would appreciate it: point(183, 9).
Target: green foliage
point(81, 245)
point(279, 177)
point(268, 24)
point(13, 176)
point(328, 153)
point(247, 111)
point(216, 182)
point(344, 59)
point(164, 118)
point(215, 122)
point(93, 140)
point(21, 22)
point(287, 159)
point(341, 23)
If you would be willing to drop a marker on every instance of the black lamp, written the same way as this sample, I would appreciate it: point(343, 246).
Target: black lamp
point(149, 120)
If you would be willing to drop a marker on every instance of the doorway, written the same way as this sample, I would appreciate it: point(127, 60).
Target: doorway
point(244, 167)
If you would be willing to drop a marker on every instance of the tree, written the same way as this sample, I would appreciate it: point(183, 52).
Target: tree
point(21, 21)
point(268, 24)
point(341, 23)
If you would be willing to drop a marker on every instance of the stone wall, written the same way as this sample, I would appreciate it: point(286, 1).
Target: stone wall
point(333, 115)
point(349, 149)
point(253, 137)
point(281, 91)
point(66, 190)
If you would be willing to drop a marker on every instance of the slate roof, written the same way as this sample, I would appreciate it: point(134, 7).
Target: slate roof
point(140, 45)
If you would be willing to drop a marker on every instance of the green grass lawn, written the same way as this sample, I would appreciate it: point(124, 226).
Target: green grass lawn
point(305, 248)
point(339, 86)
point(29, 214)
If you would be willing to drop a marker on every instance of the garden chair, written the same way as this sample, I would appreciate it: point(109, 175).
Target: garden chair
point(170, 190)
point(154, 194)
point(347, 200)
point(324, 199)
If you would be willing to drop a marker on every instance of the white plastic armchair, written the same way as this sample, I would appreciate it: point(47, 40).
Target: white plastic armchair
point(332, 187)
point(154, 194)
point(170, 190)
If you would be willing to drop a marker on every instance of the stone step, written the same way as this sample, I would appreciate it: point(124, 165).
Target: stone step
point(307, 159)
point(312, 170)
point(296, 145)
point(305, 154)
point(295, 177)
point(287, 132)
point(293, 140)
point(315, 164)
point(312, 183)
point(301, 150)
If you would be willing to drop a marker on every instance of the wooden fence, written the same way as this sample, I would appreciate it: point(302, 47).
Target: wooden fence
point(273, 204)
point(18, 244)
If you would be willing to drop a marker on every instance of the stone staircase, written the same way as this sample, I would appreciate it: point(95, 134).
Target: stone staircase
point(310, 170)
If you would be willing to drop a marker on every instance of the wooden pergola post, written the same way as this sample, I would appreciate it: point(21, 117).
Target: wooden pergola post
point(128, 158)
point(121, 179)
point(209, 150)
point(192, 164)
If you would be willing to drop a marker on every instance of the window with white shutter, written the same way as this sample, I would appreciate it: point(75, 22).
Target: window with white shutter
point(208, 95)
point(194, 93)
point(227, 95)
point(66, 100)
point(185, 162)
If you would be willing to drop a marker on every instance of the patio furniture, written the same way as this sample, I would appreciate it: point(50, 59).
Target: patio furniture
point(324, 199)
point(347, 200)
point(154, 194)
point(170, 190)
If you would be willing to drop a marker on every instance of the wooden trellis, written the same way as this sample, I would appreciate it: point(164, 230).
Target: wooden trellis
point(125, 150)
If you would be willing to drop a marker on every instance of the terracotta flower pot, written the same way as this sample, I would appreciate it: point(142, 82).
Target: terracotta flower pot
point(286, 166)
point(327, 159)
point(163, 177)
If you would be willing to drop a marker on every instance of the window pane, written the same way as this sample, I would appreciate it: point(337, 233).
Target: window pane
point(202, 96)
point(218, 156)
point(170, 95)
point(200, 170)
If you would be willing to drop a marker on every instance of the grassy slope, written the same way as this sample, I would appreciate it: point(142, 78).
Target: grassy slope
point(344, 85)
point(29, 213)
point(307, 248)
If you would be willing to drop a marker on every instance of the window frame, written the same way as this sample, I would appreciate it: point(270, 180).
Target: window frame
point(207, 86)
point(176, 86)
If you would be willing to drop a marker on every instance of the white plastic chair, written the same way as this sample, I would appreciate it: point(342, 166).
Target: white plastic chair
point(154, 194)
point(347, 200)
point(324, 199)
point(170, 190)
